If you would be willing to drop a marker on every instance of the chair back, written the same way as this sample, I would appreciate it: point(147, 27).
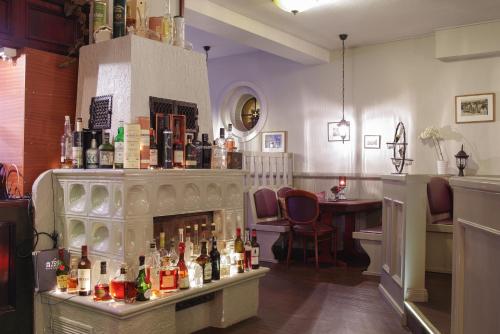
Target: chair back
point(302, 207)
point(440, 197)
point(266, 204)
point(282, 191)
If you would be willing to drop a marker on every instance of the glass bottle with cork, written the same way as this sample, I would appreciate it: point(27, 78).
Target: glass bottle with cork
point(239, 250)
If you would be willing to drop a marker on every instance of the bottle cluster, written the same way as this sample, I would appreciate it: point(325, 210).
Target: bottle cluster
point(169, 266)
point(134, 146)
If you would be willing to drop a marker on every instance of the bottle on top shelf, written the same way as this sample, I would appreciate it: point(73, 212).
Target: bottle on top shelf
point(219, 160)
point(230, 142)
point(84, 274)
point(167, 26)
point(92, 153)
point(215, 260)
point(248, 251)
point(142, 284)
point(119, 18)
point(204, 261)
point(101, 289)
point(66, 145)
point(178, 147)
point(239, 250)
point(167, 149)
point(153, 149)
point(199, 150)
point(106, 153)
point(191, 154)
point(62, 273)
point(119, 144)
point(181, 264)
point(255, 250)
point(77, 149)
point(206, 147)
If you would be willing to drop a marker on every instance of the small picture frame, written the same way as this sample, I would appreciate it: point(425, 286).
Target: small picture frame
point(334, 132)
point(475, 108)
point(274, 142)
point(372, 142)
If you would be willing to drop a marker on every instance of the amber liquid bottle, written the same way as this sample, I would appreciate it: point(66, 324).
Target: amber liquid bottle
point(62, 272)
point(73, 276)
point(101, 289)
point(181, 264)
point(204, 261)
point(178, 147)
point(239, 249)
point(84, 274)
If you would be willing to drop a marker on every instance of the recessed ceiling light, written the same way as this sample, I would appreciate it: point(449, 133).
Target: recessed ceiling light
point(298, 6)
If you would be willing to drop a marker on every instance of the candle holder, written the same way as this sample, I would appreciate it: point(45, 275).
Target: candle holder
point(461, 159)
point(340, 190)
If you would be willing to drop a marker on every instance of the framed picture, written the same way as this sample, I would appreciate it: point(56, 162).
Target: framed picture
point(274, 141)
point(372, 142)
point(475, 108)
point(334, 132)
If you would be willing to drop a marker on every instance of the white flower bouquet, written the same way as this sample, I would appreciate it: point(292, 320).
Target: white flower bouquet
point(433, 134)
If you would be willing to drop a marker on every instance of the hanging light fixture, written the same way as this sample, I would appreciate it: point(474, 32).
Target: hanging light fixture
point(343, 124)
point(298, 6)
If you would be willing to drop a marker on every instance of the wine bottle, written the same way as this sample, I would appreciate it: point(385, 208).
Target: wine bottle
point(142, 284)
point(204, 261)
point(178, 147)
point(153, 149)
point(62, 272)
point(84, 274)
point(239, 250)
point(215, 259)
point(77, 152)
point(255, 250)
point(119, 18)
point(248, 251)
point(206, 152)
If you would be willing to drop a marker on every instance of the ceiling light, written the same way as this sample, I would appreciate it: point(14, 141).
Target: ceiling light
point(343, 124)
point(7, 53)
point(298, 6)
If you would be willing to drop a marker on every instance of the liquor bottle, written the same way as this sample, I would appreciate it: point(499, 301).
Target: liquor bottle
point(84, 274)
point(77, 149)
point(73, 276)
point(225, 263)
point(122, 287)
point(199, 151)
point(167, 25)
point(101, 289)
point(62, 272)
point(100, 15)
point(172, 253)
point(181, 264)
point(142, 284)
point(119, 18)
point(255, 250)
point(229, 143)
point(162, 250)
point(248, 251)
point(219, 152)
point(153, 149)
point(130, 12)
point(215, 259)
point(92, 154)
point(204, 261)
point(239, 250)
point(203, 233)
point(206, 152)
point(212, 230)
point(169, 277)
point(178, 148)
point(119, 142)
point(167, 149)
point(106, 153)
point(188, 250)
point(153, 268)
point(66, 146)
point(196, 241)
point(191, 154)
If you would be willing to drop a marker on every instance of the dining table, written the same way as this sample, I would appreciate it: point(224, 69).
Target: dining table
point(347, 208)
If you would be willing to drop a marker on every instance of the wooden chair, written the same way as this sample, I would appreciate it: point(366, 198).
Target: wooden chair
point(302, 212)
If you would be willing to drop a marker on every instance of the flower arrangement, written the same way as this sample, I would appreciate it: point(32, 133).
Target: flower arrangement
point(433, 133)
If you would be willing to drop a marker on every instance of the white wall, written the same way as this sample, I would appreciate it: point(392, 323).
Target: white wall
point(385, 83)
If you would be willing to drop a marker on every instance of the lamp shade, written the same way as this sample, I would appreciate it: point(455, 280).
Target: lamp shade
point(297, 6)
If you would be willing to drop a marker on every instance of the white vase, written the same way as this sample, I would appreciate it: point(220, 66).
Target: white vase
point(442, 167)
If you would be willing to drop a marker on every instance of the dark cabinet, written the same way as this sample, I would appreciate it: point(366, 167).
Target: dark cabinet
point(38, 24)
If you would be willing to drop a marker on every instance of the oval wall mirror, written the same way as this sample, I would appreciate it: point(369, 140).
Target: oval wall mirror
point(244, 106)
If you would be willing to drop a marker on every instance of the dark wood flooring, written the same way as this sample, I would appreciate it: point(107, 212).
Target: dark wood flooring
point(332, 300)
point(438, 309)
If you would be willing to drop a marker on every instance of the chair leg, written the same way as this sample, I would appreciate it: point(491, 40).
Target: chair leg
point(290, 245)
point(316, 250)
point(304, 244)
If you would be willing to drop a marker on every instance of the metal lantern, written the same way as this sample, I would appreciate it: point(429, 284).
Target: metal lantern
point(461, 157)
point(343, 124)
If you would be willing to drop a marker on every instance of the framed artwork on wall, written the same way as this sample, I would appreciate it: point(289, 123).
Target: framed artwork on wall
point(372, 142)
point(274, 142)
point(334, 132)
point(475, 108)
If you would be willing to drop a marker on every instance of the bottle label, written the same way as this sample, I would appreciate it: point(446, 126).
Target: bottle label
point(178, 156)
point(191, 163)
point(147, 294)
point(119, 152)
point(106, 158)
point(255, 255)
point(207, 272)
point(184, 282)
point(62, 282)
point(92, 157)
point(84, 280)
point(167, 281)
point(99, 292)
point(153, 157)
point(77, 156)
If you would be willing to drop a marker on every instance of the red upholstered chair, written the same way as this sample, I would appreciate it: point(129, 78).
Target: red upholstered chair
point(281, 199)
point(282, 191)
point(440, 198)
point(302, 213)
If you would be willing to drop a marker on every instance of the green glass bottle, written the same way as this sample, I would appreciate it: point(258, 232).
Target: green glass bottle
point(119, 143)
point(106, 153)
point(142, 283)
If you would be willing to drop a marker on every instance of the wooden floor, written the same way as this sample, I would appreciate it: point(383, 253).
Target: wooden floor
point(332, 300)
point(438, 308)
